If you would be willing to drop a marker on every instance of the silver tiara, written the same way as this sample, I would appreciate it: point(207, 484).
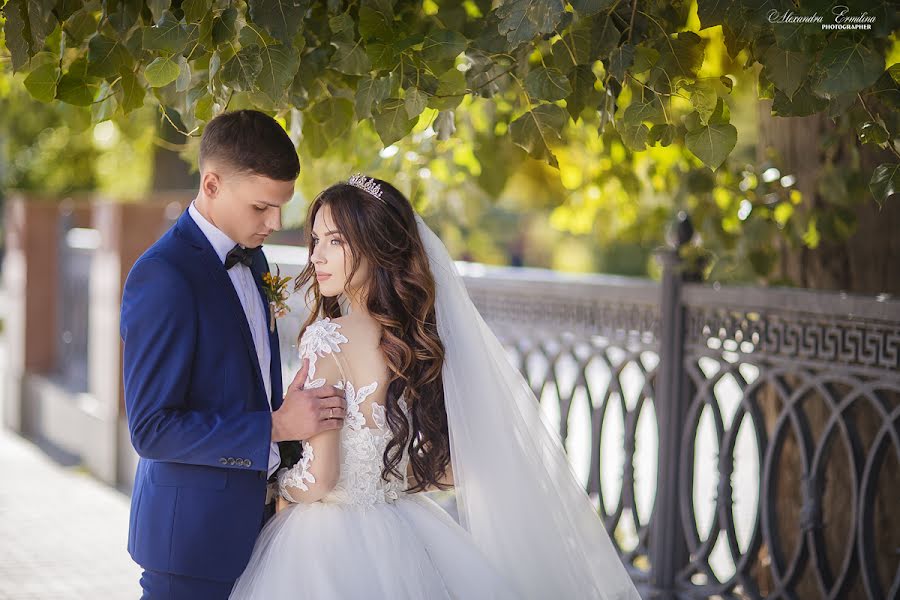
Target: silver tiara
point(366, 184)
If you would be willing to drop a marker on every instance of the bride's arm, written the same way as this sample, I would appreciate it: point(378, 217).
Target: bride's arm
point(318, 470)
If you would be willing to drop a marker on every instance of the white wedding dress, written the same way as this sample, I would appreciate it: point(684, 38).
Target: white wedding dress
point(367, 538)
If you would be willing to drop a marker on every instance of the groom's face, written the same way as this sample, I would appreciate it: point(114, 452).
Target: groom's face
point(246, 207)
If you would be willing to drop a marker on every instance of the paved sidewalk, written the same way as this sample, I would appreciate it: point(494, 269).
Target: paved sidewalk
point(63, 533)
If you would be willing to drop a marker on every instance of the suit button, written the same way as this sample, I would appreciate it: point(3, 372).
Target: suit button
point(247, 462)
point(230, 461)
point(223, 460)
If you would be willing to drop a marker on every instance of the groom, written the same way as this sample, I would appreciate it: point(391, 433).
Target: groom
point(202, 371)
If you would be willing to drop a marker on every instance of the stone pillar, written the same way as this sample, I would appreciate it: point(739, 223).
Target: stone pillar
point(30, 280)
point(127, 230)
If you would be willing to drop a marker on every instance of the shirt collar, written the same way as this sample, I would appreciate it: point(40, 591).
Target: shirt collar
point(220, 242)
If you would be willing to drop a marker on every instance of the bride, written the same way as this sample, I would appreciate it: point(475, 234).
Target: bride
point(432, 402)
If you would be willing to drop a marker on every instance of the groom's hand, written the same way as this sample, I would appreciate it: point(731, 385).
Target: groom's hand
point(304, 413)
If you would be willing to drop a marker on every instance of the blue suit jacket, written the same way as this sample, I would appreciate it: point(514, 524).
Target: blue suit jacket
point(197, 410)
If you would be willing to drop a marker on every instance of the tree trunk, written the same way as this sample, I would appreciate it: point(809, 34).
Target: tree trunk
point(861, 264)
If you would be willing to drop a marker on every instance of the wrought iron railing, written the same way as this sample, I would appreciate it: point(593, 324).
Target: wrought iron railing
point(738, 442)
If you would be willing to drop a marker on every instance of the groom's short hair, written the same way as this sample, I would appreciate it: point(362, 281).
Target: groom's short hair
point(249, 141)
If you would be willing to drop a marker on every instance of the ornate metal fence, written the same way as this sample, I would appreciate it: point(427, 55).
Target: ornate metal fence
point(738, 442)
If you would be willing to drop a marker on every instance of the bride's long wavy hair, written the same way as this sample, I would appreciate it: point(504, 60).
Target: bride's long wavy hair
point(401, 297)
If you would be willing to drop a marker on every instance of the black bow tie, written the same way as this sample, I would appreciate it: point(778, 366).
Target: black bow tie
point(240, 255)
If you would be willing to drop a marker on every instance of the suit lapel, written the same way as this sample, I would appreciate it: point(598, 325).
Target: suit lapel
point(191, 232)
point(260, 266)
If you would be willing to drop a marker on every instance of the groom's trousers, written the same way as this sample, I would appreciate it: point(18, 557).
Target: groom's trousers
point(157, 585)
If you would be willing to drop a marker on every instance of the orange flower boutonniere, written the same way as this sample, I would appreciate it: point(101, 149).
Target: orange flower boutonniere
point(277, 294)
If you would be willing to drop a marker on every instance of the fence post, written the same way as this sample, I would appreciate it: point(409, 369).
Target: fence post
point(30, 279)
point(668, 550)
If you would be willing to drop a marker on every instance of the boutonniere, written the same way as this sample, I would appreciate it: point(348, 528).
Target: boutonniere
point(277, 294)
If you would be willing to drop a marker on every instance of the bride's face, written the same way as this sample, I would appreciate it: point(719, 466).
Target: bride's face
point(332, 257)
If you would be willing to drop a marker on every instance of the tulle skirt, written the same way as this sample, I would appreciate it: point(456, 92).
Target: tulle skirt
point(410, 548)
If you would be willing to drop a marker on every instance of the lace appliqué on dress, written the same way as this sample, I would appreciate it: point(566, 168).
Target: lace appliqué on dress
point(362, 447)
point(297, 474)
point(320, 338)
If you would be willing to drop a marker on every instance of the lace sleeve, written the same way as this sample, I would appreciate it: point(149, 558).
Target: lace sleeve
point(298, 475)
point(317, 471)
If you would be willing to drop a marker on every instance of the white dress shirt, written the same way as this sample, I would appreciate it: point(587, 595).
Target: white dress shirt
point(254, 310)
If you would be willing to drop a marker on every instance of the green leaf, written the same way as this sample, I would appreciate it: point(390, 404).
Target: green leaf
point(450, 90)
point(692, 121)
point(872, 133)
point(662, 133)
point(589, 7)
point(279, 65)
point(721, 114)
point(327, 121)
point(124, 14)
point(184, 75)
point(712, 144)
point(41, 82)
point(392, 122)
point(443, 46)
point(241, 71)
point(382, 56)
point(894, 72)
point(414, 102)
point(350, 58)
point(727, 82)
point(75, 87)
point(66, 8)
point(604, 36)
point(162, 71)
point(107, 56)
point(645, 106)
point(848, 66)
point(131, 92)
point(547, 84)
point(885, 182)
point(251, 35)
point(370, 91)
point(787, 70)
point(104, 105)
point(522, 20)
point(803, 104)
point(620, 60)
point(281, 18)
point(158, 7)
point(714, 12)
point(196, 10)
point(584, 94)
point(203, 109)
point(703, 98)
point(644, 59)
point(635, 136)
point(573, 48)
point(374, 25)
point(80, 26)
point(168, 35)
point(680, 57)
point(225, 26)
point(342, 27)
point(538, 130)
point(28, 23)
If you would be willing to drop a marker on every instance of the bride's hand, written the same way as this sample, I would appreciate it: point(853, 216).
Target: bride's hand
point(280, 504)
